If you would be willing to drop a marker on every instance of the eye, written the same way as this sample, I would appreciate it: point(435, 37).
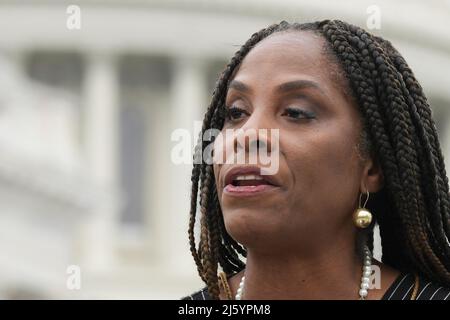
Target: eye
point(234, 113)
point(296, 113)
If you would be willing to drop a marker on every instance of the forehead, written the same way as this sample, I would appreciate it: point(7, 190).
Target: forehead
point(284, 54)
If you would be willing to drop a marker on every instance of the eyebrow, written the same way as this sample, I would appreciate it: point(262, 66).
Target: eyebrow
point(298, 84)
point(284, 87)
point(239, 86)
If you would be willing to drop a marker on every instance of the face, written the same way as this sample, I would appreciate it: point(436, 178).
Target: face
point(286, 82)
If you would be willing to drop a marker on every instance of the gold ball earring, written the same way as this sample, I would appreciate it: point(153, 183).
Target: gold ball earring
point(362, 217)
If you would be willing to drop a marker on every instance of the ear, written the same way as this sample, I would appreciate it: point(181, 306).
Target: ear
point(372, 179)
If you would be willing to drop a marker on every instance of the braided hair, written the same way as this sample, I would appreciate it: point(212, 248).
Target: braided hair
point(412, 208)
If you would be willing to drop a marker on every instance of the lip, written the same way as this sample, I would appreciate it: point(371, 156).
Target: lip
point(231, 174)
point(248, 191)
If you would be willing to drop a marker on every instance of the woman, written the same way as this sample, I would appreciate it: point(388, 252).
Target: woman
point(357, 146)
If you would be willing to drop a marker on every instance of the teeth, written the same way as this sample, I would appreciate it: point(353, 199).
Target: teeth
point(248, 177)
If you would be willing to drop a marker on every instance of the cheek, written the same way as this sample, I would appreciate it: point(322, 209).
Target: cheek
point(325, 170)
point(216, 168)
point(340, 170)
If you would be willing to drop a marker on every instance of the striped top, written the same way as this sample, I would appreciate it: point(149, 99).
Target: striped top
point(403, 286)
point(401, 289)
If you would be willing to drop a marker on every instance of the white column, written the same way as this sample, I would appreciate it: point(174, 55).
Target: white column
point(188, 102)
point(14, 81)
point(100, 107)
point(17, 60)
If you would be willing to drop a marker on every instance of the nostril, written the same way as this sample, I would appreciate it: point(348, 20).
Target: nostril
point(259, 144)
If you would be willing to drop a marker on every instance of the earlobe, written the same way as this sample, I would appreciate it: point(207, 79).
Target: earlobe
point(373, 178)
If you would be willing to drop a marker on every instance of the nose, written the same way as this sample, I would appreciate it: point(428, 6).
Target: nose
point(254, 135)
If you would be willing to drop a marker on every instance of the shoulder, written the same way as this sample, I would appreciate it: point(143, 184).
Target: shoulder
point(198, 295)
point(406, 284)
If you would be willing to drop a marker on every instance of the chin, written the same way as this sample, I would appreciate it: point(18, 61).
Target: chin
point(251, 227)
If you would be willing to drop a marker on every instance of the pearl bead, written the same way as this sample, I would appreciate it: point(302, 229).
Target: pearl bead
point(240, 289)
point(363, 292)
point(367, 273)
point(365, 285)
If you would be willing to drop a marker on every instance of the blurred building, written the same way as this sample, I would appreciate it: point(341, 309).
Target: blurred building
point(86, 117)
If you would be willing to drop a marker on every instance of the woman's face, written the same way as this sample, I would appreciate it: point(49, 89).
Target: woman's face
point(320, 170)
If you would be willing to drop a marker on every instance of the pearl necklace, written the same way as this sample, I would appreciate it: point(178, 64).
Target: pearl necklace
point(365, 279)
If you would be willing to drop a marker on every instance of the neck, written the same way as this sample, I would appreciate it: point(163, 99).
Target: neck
point(332, 274)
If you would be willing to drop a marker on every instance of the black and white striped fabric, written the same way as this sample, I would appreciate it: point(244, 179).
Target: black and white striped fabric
point(199, 295)
point(401, 289)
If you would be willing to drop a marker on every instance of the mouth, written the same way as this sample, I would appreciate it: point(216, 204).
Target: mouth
point(247, 181)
